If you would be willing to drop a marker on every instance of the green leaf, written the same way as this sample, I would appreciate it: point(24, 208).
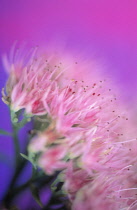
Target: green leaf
point(35, 194)
point(14, 118)
point(55, 183)
point(30, 159)
point(2, 132)
point(25, 156)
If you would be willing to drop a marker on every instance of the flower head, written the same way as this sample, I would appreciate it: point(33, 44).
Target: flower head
point(87, 136)
point(52, 159)
point(31, 78)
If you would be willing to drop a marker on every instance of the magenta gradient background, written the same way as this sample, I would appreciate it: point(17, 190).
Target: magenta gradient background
point(103, 29)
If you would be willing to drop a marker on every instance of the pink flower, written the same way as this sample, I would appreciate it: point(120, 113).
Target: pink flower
point(88, 137)
point(43, 140)
point(109, 180)
point(52, 159)
point(31, 77)
point(74, 180)
point(94, 197)
point(106, 192)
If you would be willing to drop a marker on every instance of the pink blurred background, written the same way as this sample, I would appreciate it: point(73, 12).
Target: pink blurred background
point(104, 30)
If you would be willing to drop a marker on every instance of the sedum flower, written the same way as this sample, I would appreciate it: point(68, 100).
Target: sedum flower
point(88, 136)
point(111, 187)
point(31, 77)
point(52, 159)
point(106, 192)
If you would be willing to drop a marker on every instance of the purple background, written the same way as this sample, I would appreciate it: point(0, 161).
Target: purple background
point(104, 29)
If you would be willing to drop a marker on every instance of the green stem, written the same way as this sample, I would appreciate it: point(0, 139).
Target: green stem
point(20, 163)
point(15, 191)
point(8, 196)
point(5, 133)
point(15, 124)
point(16, 145)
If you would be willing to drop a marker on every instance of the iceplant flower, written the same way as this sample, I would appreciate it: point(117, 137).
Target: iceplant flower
point(88, 130)
point(74, 179)
point(90, 147)
point(52, 159)
point(45, 139)
point(31, 77)
point(106, 191)
point(110, 181)
point(87, 121)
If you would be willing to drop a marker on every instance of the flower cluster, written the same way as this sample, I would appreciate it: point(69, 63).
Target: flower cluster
point(87, 136)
